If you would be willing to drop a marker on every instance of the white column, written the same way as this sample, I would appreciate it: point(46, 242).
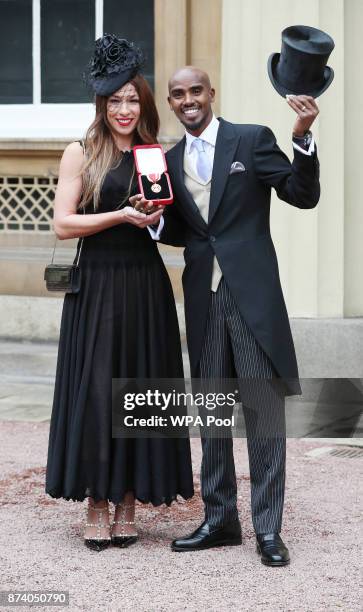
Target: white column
point(36, 53)
point(98, 18)
point(330, 270)
point(353, 225)
point(309, 244)
point(170, 54)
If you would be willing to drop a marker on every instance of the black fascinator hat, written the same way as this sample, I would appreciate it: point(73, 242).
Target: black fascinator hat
point(115, 62)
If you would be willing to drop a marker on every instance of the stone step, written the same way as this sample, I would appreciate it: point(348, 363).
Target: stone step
point(326, 348)
point(27, 371)
point(33, 364)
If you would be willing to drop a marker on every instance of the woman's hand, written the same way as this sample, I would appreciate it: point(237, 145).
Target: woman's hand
point(141, 204)
point(130, 215)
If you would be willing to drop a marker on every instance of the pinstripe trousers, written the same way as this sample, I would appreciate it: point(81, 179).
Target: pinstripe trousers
point(230, 350)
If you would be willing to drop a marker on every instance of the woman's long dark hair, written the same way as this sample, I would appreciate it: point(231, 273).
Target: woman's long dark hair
point(102, 153)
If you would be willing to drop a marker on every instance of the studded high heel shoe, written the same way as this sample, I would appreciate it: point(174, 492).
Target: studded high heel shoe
point(123, 539)
point(98, 543)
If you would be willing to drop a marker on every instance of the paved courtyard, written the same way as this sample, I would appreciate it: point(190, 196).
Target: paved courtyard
point(41, 538)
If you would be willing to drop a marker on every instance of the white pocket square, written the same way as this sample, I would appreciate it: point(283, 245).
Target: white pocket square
point(237, 167)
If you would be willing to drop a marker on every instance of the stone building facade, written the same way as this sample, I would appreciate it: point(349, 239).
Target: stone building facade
point(44, 106)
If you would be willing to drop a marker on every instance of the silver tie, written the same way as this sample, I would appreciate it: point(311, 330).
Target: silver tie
point(204, 168)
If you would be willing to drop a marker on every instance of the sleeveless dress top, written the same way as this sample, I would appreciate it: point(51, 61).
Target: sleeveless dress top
point(122, 324)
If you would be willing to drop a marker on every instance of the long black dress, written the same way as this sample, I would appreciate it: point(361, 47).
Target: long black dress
point(122, 324)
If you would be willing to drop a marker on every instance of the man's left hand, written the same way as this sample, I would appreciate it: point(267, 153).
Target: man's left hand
point(307, 111)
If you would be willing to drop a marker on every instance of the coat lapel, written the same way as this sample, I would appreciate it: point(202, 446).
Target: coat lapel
point(226, 145)
point(175, 160)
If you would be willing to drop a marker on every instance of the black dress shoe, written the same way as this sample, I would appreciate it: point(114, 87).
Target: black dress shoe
point(208, 537)
point(272, 549)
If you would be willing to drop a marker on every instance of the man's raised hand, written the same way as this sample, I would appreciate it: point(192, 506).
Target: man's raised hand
point(307, 111)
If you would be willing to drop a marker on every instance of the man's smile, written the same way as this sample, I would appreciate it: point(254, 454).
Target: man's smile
point(190, 112)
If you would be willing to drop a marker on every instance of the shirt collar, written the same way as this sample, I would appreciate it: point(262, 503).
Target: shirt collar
point(208, 135)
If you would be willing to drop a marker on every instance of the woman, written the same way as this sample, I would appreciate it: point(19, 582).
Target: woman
point(122, 323)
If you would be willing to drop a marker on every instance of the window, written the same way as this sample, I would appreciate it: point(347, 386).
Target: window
point(47, 45)
point(16, 82)
point(67, 37)
point(138, 27)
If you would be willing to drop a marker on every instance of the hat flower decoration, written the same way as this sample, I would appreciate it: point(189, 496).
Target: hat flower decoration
point(115, 61)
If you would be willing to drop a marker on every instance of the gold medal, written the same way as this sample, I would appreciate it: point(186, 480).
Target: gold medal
point(156, 188)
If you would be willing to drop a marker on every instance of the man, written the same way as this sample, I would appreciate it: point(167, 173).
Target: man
point(236, 319)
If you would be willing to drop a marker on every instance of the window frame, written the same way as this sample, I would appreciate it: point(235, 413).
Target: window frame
point(47, 120)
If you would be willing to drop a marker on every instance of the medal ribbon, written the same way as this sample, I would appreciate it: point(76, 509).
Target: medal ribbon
point(154, 178)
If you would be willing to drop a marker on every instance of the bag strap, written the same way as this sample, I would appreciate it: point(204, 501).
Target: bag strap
point(55, 244)
point(81, 142)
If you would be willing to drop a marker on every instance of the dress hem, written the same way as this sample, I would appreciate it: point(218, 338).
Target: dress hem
point(117, 500)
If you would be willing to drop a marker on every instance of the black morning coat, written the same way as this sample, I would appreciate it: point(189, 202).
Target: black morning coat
point(238, 233)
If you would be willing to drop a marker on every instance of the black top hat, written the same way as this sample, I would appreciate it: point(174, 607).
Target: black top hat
point(301, 67)
point(114, 63)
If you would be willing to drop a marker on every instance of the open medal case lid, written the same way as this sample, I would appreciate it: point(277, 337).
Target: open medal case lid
point(154, 181)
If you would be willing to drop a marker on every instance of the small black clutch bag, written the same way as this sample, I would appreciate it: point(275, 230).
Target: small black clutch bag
point(63, 277)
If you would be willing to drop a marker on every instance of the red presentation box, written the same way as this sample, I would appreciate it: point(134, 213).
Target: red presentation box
point(154, 181)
